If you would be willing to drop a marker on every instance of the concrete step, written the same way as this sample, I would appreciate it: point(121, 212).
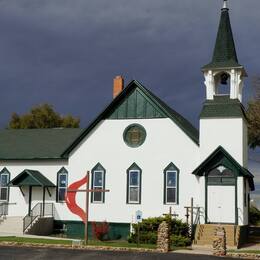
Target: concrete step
point(212, 236)
point(205, 234)
point(199, 243)
point(41, 226)
point(12, 225)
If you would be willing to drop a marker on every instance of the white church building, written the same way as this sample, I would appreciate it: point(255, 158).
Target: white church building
point(148, 156)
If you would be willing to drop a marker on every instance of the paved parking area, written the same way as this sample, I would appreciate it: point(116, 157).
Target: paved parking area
point(25, 253)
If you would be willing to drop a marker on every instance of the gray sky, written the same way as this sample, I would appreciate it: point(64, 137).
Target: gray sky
point(66, 52)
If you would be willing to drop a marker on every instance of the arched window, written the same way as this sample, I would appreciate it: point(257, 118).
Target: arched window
point(98, 182)
point(4, 188)
point(62, 184)
point(171, 184)
point(134, 184)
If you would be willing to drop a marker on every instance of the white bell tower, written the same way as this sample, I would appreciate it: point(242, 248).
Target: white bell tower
point(234, 77)
point(222, 120)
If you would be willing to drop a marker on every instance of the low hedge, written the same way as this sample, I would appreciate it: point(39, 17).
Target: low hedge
point(180, 241)
point(148, 231)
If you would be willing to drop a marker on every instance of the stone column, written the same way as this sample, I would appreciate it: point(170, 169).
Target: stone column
point(219, 242)
point(163, 240)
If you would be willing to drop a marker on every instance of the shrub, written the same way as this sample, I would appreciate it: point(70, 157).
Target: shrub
point(180, 241)
point(100, 230)
point(145, 238)
point(254, 215)
point(148, 230)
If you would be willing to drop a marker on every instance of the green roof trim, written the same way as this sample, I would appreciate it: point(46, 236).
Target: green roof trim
point(31, 178)
point(224, 55)
point(221, 157)
point(223, 107)
point(162, 110)
point(33, 144)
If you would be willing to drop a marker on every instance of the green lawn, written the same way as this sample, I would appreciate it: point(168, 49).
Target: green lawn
point(35, 240)
point(69, 242)
point(120, 244)
point(245, 251)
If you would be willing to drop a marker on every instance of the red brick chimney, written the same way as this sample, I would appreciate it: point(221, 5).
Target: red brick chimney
point(118, 85)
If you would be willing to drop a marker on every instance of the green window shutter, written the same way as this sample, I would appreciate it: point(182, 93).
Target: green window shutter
point(164, 187)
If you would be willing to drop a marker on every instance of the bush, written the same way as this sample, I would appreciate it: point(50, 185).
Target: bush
point(254, 215)
point(148, 231)
point(145, 238)
point(180, 241)
point(100, 230)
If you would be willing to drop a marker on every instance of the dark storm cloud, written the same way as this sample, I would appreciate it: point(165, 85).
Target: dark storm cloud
point(66, 52)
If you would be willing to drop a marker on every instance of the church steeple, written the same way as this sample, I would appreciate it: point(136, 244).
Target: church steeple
point(224, 66)
point(224, 55)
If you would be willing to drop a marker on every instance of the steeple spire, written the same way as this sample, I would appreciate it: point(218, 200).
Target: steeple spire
point(224, 55)
point(224, 68)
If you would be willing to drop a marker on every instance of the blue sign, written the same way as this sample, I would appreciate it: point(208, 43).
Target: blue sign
point(138, 216)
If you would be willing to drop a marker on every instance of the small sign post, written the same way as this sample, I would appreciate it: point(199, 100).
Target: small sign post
point(138, 219)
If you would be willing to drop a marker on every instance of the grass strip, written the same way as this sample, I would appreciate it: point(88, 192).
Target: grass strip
point(35, 240)
point(69, 242)
point(244, 251)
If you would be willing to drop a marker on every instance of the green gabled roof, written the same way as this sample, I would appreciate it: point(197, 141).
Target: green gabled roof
point(27, 144)
point(223, 107)
point(31, 178)
point(224, 55)
point(221, 157)
point(160, 110)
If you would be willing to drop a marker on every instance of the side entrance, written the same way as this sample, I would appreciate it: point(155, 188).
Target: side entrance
point(221, 196)
point(221, 204)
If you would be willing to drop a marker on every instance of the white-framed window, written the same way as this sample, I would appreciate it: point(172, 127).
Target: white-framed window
point(134, 185)
point(98, 183)
point(4, 188)
point(171, 187)
point(171, 184)
point(62, 184)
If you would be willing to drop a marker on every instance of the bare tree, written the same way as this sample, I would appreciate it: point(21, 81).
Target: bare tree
point(256, 86)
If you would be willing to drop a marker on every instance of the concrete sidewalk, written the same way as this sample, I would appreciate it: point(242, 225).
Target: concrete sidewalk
point(197, 250)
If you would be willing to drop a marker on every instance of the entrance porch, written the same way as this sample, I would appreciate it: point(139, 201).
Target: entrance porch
point(34, 186)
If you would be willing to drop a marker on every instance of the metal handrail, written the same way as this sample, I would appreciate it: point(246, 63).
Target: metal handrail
point(39, 210)
point(197, 217)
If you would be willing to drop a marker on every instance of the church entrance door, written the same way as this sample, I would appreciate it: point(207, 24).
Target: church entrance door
point(221, 204)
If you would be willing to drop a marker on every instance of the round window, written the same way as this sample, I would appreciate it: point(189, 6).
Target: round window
point(134, 135)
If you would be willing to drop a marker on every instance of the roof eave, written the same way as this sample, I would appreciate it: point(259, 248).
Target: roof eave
point(221, 68)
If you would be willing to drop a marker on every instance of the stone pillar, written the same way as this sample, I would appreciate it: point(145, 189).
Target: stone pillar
point(163, 240)
point(219, 242)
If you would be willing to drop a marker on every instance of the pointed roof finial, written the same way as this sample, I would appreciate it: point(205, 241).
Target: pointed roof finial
point(225, 5)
